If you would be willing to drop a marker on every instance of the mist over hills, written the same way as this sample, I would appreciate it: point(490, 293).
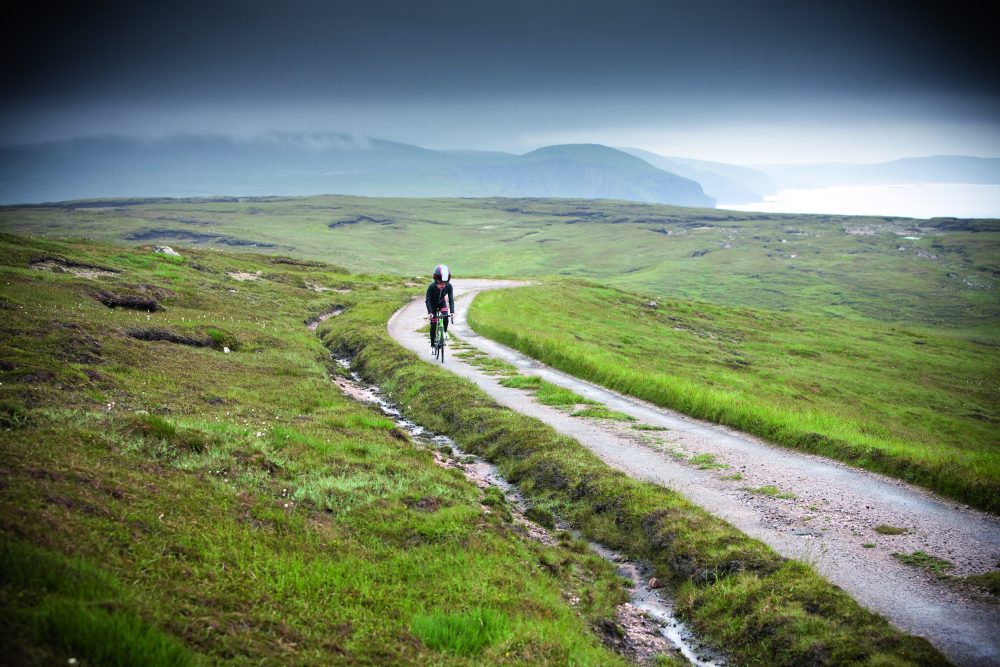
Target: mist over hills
point(933, 169)
point(309, 164)
point(287, 164)
point(727, 183)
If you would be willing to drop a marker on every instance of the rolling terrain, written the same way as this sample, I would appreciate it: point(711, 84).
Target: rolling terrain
point(878, 334)
point(941, 272)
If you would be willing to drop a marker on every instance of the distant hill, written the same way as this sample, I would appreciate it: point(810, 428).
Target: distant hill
point(304, 164)
point(727, 183)
point(934, 169)
point(585, 170)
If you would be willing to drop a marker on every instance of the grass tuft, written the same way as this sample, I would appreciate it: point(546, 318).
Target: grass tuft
point(938, 566)
point(602, 412)
point(522, 381)
point(989, 581)
point(465, 633)
point(770, 490)
point(649, 427)
point(706, 462)
point(13, 415)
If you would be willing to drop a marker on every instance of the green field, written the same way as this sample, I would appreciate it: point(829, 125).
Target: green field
point(919, 403)
point(164, 502)
point(944, 274)
point(870, 339)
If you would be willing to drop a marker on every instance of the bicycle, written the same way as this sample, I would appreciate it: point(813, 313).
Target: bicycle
point(440, 336)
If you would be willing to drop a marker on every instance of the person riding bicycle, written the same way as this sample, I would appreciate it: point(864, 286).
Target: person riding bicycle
point(440, 298)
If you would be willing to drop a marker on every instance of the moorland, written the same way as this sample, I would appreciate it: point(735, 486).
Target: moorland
point(141, 451)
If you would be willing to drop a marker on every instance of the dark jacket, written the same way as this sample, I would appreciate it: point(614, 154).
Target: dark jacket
point(436, 297)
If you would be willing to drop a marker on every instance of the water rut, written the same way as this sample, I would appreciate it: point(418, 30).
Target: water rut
point(647, 622)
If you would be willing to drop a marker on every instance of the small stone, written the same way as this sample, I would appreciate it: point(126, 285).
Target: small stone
point(655, 583)
point(166, 250)
point(651, 304)
point(226, 350)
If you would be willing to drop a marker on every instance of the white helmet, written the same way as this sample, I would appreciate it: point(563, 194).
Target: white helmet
point(441, 273)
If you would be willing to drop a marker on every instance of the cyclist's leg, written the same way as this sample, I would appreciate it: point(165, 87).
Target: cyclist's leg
point(433, 330)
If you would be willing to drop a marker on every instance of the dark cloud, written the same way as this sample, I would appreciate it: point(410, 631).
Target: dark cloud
point(555, 60)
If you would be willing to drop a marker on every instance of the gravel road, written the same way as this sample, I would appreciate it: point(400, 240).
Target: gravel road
point(829, 520)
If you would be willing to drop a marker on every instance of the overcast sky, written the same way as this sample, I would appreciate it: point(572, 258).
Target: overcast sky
point(738, 81)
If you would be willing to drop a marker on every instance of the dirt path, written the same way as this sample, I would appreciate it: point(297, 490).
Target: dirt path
point(829, 522)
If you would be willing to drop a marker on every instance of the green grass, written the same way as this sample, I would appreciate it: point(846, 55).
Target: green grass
point(545, 392)
point(990, 582)
point(649, 427)
point(532, 382)
point(883, 529)
point(840, 266)
point(465, 633)
point(481, 360)
point(770, 490)
point(918, 404)
point(706, 462)
point(602, 412)
point(733, 590)
point(933, 564)
point(164, 503)
point(71, 606)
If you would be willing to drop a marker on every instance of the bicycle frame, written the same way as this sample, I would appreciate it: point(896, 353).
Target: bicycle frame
point(439, 339)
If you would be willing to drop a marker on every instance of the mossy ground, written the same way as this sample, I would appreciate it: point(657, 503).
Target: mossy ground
point(163, 501)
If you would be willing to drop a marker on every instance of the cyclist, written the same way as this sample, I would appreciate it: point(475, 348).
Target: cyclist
point(440, 297)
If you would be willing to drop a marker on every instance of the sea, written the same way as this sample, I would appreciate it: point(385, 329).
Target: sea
point(928, 200)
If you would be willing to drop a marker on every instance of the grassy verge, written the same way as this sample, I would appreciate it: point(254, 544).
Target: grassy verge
point(921, 405)
point(165, 502)
point(758, 606)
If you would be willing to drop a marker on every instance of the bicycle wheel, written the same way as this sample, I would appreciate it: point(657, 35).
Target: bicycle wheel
point(440, 341)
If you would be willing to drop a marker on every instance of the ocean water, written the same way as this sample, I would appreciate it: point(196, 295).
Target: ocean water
point(930, 200)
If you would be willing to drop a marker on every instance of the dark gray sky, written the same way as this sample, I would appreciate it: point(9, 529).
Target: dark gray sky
point(740, 81)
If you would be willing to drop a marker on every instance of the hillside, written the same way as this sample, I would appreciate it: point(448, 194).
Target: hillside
point(185, 484)
point(728, 184)
point(287, 164)
point(586, 170)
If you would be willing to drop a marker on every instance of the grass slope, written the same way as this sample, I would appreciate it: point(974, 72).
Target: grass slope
point(940, 272)
point(741, 595)
point(163, 502)
point(916, 403)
